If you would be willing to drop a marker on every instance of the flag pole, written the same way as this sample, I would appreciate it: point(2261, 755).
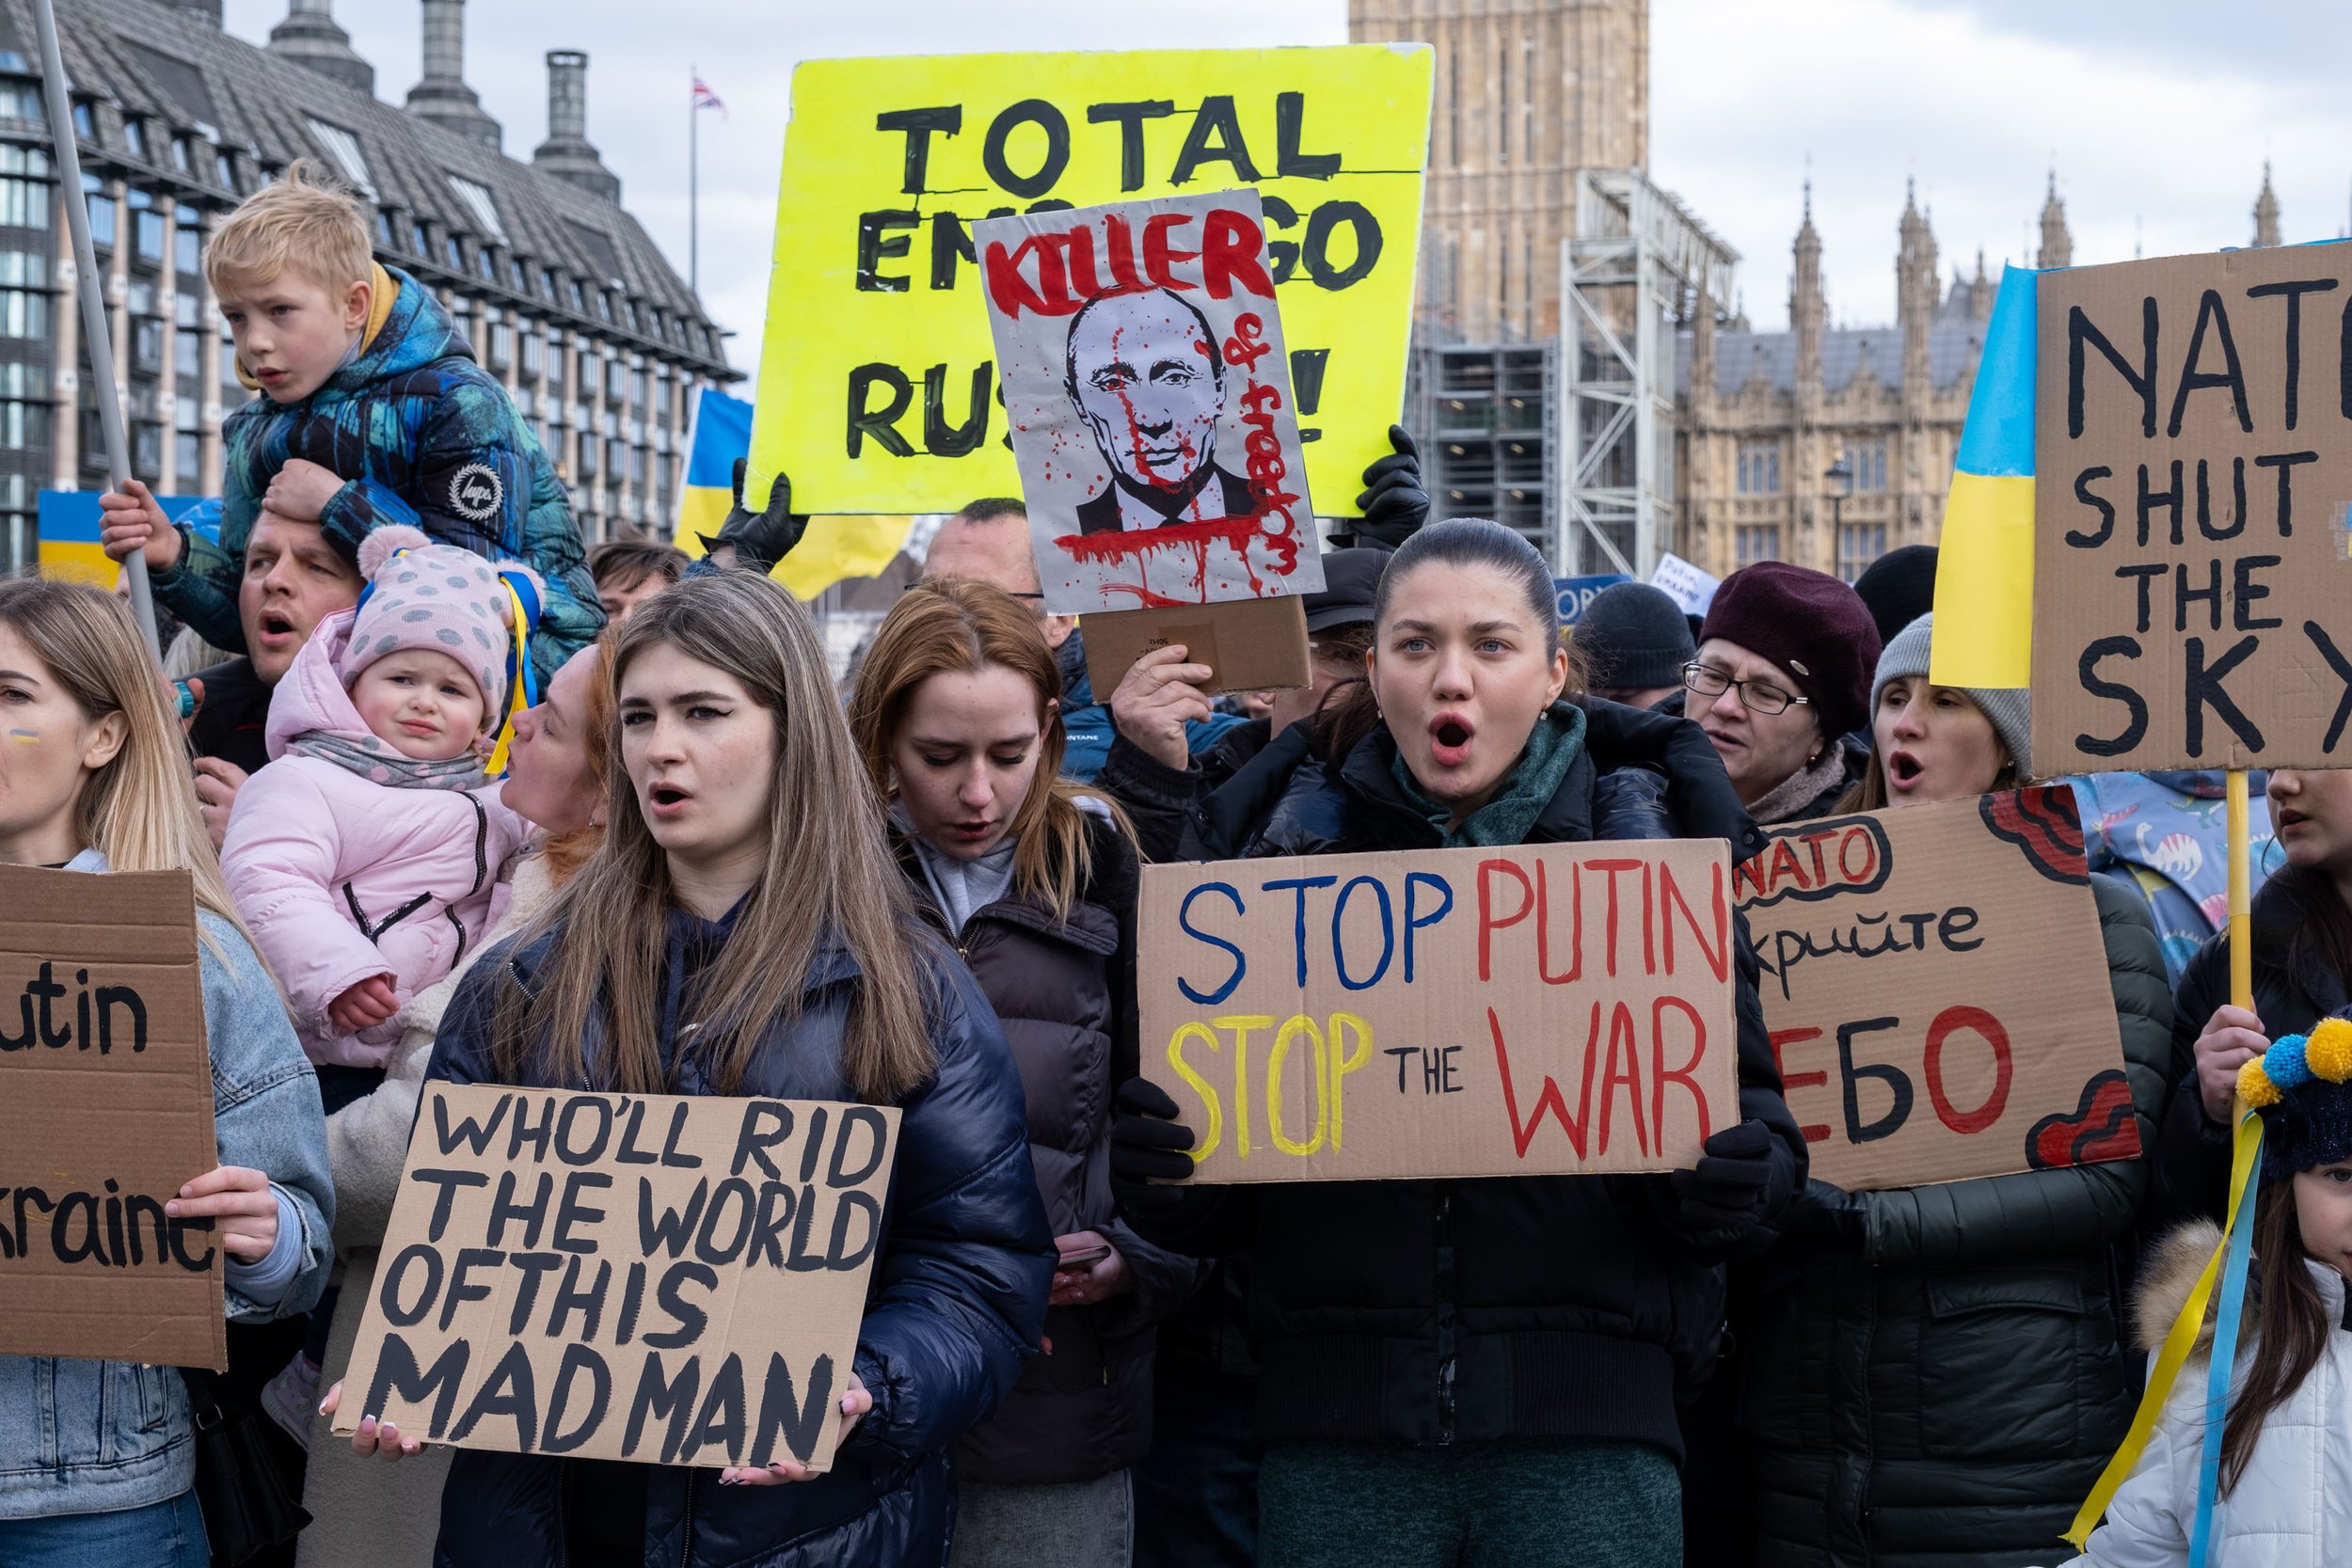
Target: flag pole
point(694, 186)
point(94, 329)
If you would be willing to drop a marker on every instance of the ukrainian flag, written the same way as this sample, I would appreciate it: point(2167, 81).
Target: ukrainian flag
point(1984, 576)
point(833, 549)
point(67, 522)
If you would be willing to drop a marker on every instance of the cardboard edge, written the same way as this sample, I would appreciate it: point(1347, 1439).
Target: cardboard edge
point(1252, 645)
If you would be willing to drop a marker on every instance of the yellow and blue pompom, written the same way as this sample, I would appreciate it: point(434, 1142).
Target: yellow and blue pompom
point(2255, 1084)
point(2328, 1051)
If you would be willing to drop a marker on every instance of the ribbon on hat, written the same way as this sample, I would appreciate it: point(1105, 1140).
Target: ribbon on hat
point(522, 687)
point(2181, 1339)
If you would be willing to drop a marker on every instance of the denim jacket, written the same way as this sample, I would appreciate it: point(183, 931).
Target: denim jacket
point(99, 1436)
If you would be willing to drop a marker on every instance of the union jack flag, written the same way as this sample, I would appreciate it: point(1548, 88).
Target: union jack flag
point(705, 99)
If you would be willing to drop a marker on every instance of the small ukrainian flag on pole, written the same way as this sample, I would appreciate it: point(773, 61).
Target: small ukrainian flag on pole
point(1984, 576)
point(834, 549)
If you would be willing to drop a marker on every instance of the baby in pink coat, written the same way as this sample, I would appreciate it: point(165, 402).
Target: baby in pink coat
point(365, 856)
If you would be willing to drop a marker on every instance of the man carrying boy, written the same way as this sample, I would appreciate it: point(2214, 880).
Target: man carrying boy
point(374, 412)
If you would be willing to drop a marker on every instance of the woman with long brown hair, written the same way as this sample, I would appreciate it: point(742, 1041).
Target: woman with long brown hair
point(97, 1458)
point(957, 715)
point(743, 930)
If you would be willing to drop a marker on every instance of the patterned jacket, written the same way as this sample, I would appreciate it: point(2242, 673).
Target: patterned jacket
point(423, 435)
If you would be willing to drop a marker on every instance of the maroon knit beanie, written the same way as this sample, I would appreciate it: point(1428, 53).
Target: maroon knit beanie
point(1810, 624)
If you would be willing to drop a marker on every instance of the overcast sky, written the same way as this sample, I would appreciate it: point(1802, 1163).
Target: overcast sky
point(2156, 114)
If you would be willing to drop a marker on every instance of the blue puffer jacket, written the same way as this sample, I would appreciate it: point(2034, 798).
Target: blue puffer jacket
point(423, 435)
point(957, 1297)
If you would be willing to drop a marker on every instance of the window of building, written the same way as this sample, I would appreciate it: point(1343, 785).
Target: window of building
point(180, 154)
point(580, 300)
point(525, 400)
point(188, 353)
point(1858, 544)
point(343, 147)
point(501, 345)
point(533, 354)
point(224, 171)
point(187, 248)
point(384, 229)
point(147, 449)
point(591, 368)
point(147, 345)
point(147, 231)
point(101, 211)
point(1503, 115)
point(24, 295)
point(23, 426)
point(519, 276)
point(604, 305)
point(1757, 542)
point(1759, 469)
point(486, 264)
point(588, 448)
point(184, 308)
point(454, 253)
point(417, 239)
point(84, 123)
point(189, 450)
point(135, 137)
point(140, 296)
point(477, 200)
point(547, 284)
point(20, 100)
point(1868, 461)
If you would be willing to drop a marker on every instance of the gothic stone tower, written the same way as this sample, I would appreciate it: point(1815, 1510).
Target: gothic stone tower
point(1528, 92)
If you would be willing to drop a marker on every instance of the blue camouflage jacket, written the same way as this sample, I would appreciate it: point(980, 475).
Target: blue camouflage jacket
point(423, 435)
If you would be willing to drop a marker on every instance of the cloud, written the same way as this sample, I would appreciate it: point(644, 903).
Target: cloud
point(1879, 91)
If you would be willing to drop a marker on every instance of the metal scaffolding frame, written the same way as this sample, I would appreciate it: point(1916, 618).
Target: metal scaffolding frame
point(1636, 268)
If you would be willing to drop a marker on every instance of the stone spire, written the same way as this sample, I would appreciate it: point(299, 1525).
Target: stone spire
point(1914, 292)
point(309, 36)
point(2266, 211)
point(2058, 245)
point(1806, 306)
point(1980, 293)
point(443, 96)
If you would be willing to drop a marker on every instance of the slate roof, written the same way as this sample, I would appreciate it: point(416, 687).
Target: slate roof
point(151, 61)
point(1953, 349)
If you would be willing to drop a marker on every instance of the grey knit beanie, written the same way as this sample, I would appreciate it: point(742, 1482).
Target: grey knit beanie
point(2009, 707)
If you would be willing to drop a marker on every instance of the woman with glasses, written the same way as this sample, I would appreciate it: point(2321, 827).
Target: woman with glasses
point(1781, 679)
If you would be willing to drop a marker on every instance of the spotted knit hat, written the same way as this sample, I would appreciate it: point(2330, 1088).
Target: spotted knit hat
point(437, 598)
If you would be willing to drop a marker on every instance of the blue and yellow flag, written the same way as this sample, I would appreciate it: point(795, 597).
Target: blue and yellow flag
point(1984, 576)
point(833, 549)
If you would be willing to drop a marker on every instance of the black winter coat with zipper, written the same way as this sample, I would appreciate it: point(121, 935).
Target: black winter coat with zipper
point(1064, 990)
point(956, 1298)
point(1523, 1307)
point(1944, 1396)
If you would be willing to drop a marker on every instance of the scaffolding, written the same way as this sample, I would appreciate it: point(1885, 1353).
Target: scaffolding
point(1639, 266)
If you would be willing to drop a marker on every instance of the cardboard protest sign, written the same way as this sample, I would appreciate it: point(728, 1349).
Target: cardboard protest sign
point(1144, 377)
point(1934, 984)
point(661, 1278)
point(2192, 467)
point(1538, 1010)
point(878, 386)
point(105, 1109)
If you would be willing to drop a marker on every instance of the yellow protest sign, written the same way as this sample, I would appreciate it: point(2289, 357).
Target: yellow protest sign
point(877, 389)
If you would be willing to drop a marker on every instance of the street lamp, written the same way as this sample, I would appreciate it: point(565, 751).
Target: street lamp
point(1840, 477)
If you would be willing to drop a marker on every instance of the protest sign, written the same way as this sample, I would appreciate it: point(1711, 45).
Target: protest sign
point(1536, 1010)
point(2192, 465)
point(665, 1279)
point(105, 1109)
point(878, 389)
point(1140, 353)
point(1577, 593)
point(1690, 588)
point(1933, 981)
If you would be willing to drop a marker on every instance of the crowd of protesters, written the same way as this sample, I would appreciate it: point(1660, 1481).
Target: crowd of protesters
point(441, 828)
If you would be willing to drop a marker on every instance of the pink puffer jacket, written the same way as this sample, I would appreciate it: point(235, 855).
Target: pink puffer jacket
point(342, 879)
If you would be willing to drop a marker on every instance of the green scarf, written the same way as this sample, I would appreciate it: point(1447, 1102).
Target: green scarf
point(1526, 790)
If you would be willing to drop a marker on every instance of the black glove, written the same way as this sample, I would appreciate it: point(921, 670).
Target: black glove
point(1147, 1146)
point(759, 542)
point(1393, 503)
point(1730, 1179)
point(1827, 1219)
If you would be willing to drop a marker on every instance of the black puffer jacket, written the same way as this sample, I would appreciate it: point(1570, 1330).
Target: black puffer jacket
point(1524, 1306)
point(1944, 1397)
point(1064, 990)
point(957, 1296)
point(2294, 989)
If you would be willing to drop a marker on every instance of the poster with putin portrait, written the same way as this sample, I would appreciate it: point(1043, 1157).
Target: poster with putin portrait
point(1149, 394)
